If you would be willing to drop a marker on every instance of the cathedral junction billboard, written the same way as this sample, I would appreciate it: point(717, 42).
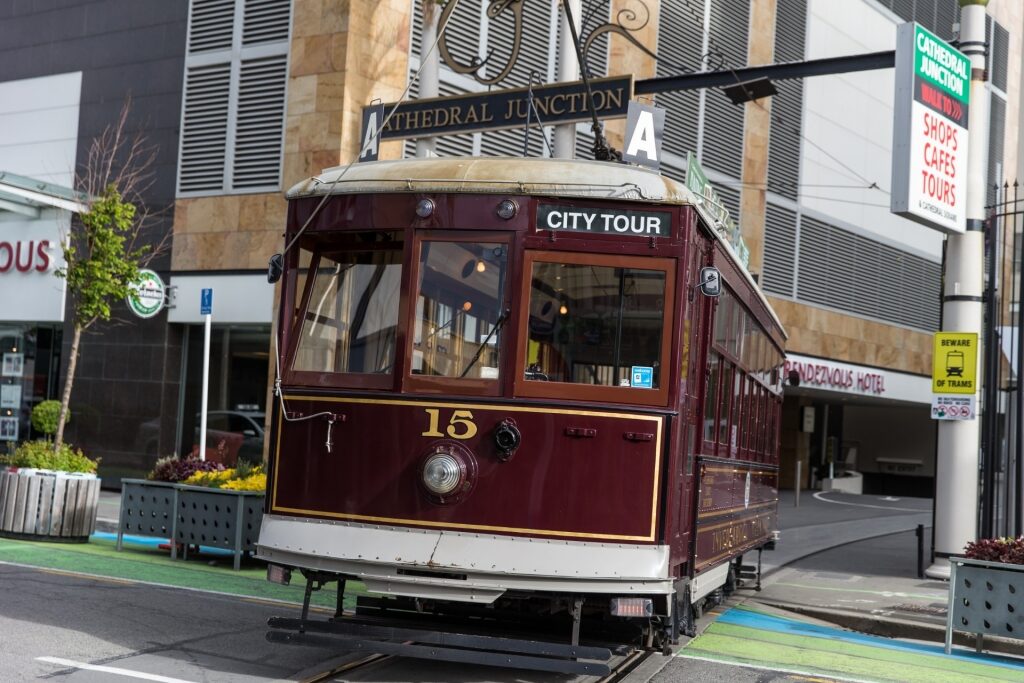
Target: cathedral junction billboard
point(929, 151)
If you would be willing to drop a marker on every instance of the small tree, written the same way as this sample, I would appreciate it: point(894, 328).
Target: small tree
point(102, 259)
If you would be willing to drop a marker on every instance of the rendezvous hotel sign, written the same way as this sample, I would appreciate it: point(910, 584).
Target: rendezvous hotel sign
point(929, 160)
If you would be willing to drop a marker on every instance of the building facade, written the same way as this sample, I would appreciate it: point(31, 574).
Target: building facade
point(247, 97)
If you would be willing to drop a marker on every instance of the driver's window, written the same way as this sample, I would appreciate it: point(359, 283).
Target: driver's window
point(458, 316)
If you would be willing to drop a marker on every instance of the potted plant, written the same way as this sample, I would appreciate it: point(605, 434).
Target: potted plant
point(986, 593)
point(196, 502)
point(48, 493)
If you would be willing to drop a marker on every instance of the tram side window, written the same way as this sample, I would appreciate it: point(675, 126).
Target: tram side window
point(458, 321)
point(723, 407)
point(593, 324)
point(351, 317)
point(711, 397)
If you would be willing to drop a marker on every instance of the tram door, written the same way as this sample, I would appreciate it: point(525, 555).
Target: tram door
point(694, 377)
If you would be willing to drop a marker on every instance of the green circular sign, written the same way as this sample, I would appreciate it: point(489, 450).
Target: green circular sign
point(147, 297)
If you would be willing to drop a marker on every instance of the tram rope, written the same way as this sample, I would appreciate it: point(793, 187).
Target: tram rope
point(279, 258)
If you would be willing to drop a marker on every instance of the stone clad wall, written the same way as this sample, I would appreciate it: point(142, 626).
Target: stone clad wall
point(819, 332)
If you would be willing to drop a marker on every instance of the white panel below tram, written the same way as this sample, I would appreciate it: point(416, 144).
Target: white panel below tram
point(483, 566)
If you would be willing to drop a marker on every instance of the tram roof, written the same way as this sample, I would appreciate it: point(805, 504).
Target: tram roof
point(521, 175)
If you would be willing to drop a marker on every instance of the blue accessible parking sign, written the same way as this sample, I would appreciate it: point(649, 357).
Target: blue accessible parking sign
point(206, 302)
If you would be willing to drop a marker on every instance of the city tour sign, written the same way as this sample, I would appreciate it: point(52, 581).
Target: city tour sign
point(929, 151)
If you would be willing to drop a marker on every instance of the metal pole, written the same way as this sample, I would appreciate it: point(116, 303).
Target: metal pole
point(990, 407)
point(956, 491)
point(1018, 446)
point(430, 71)
point(796, 484)
point(568, 70)
point(206, 385)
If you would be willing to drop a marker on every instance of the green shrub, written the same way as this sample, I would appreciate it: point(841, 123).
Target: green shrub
point(45, 415)
point(40, 455)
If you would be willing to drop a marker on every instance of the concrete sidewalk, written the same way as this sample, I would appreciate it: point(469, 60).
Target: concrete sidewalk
point(852, 561)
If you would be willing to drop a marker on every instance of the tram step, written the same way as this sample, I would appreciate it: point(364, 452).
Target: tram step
point(441, 645)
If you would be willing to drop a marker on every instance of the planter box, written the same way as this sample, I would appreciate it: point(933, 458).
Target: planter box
point(985, 598)
point(44, 505)
point(191, 515)
point(853, 482)
point(147, 509)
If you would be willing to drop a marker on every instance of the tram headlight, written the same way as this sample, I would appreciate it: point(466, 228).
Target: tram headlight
point(443, 473)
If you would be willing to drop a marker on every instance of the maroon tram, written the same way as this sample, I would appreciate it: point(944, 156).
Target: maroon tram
point(509, 383)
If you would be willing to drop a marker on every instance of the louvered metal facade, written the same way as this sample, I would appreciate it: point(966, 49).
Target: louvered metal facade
point(778, 272)
point(840, 269)
point(472, 35)
point(787, 106)
point(722, 144)
point(236, 72)
point(938, 16)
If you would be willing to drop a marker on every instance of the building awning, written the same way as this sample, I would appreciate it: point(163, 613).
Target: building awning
point(27, 196)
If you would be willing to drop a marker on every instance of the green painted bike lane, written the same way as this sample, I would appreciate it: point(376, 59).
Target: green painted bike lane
point(145, 563)
point(747, 637)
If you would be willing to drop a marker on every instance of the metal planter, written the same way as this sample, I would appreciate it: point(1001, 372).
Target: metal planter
point(985, 598)
point(44, 505)
point(191, 516)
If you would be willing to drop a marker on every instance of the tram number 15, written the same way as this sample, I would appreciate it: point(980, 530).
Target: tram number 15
point(460, 424)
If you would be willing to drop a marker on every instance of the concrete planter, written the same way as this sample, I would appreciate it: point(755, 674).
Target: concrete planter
point(985, 598)
point(851, 482)
point(191, 516)
point(43, 505)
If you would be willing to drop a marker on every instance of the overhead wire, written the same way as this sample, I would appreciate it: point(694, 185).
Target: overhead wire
point(715, 48)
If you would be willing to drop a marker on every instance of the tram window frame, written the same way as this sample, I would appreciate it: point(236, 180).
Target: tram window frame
point(439, 384)
point(710, 411)
point(592, 392)
point(332, 247)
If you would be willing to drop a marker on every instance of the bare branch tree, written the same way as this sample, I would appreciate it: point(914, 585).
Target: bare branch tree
point(107, 244)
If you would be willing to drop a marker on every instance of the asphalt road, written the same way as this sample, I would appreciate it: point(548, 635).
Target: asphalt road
point(148, 630)
point(66, 627)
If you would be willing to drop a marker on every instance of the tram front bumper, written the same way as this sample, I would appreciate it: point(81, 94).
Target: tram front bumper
point(465, 567)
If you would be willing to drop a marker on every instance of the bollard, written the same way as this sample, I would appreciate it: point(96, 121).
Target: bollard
point(796, 485)
point(920, 532)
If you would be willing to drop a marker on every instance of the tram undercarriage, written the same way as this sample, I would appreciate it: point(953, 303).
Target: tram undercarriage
point(446, 612)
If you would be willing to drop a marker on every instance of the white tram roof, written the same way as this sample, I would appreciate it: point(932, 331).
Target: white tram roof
point(518, 175)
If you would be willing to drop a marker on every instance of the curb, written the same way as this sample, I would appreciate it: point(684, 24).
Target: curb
point(905, 629)
point(107, 525)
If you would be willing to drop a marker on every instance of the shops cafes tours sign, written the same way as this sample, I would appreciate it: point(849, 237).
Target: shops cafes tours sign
point(929, 151)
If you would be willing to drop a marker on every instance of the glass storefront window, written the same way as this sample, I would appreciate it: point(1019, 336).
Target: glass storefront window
point(239, 364)
point(351, 317)
point(29, 374)
point(458, 318)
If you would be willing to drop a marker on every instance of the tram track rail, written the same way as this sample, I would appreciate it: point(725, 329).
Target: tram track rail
point(620, 670)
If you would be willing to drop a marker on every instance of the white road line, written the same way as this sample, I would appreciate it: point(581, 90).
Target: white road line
point(797, 672)
point(820, 496)
point(110, 670)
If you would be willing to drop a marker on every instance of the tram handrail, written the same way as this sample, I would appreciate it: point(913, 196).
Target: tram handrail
point(437, 184)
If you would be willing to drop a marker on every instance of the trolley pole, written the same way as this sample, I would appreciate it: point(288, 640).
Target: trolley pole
point(568, 70)
point(956, 466)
